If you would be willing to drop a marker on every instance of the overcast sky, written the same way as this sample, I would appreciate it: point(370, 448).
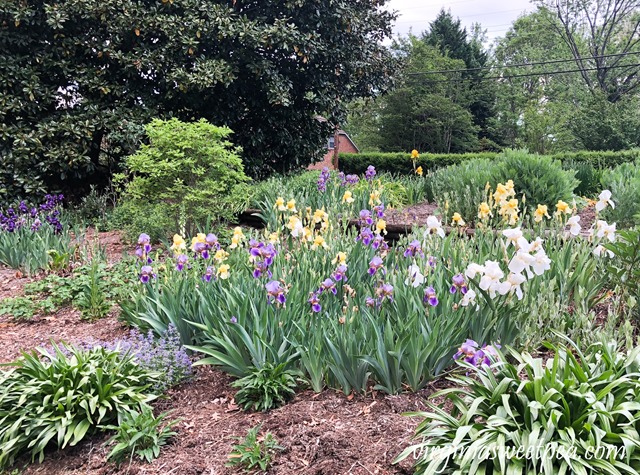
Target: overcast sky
point(495, 16)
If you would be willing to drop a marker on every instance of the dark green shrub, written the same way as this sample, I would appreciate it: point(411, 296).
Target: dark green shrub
point(192, 170)
point(573, 405)
point(624, 184)
point(400, 163)
point(587, 174)
point(540, 178)
point(55, 397)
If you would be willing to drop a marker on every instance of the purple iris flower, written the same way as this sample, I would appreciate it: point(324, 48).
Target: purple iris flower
point(379, 243)
point(414, 249)
point(379, 210)
point(212, 241)
point(208, 275)
point(340, 273)
point(458, 283)
point(468, 348)
point(261, 269)
point(146, 273)
point(431, 262)
point(181, 261)
point(370, 173)
point(385, 291)
point(375, 265)
point(328, 286)
point(275, 292)
point(430, 296)
point(365, 218)
point(314, 300)
point(366, 236)
point(233, 319)
point(144, 239)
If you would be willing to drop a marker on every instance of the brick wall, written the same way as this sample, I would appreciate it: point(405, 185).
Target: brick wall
point(344, 145)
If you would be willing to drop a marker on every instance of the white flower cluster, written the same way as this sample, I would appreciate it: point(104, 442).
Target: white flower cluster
point(529, 260)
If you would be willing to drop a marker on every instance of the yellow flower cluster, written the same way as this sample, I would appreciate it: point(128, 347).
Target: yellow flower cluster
point(237, 238)
point(289, 206)
point(308, 227)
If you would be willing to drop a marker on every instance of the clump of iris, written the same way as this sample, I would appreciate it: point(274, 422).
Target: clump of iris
point(33, 217)
point(261, 255)
point(325, 176)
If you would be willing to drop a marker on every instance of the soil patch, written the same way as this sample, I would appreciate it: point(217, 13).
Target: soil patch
point(325, 433)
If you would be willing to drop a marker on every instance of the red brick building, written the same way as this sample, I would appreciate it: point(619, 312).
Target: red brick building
point(339, 143)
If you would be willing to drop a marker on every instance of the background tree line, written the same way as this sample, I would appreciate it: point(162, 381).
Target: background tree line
point(564, 77)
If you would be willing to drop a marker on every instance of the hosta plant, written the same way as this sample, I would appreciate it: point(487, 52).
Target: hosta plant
point(53, 398)
point(571, 413)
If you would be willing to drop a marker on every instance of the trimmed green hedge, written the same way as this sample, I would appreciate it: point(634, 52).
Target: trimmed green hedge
point(401, 162)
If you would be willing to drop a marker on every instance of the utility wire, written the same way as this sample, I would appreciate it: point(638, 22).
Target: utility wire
point(537, 63)
point(541, 73)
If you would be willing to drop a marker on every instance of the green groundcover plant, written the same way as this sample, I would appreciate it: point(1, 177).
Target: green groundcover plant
point(54, 398)
point(574, 413)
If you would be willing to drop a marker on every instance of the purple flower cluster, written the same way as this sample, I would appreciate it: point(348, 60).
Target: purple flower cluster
point(471, 353)
point(202, 248)
point(340, 274)
point(379, 210)
point(261, 255)
point(275, 292)
point(144, 248)
point(370, 173)
point(325, 176)
point(181, 261)
point(165, 356)
point(346, 180)
point(49, 211)
point(365, 218)
point(146, 274)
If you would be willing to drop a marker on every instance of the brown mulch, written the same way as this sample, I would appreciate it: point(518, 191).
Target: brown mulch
point(325, 433)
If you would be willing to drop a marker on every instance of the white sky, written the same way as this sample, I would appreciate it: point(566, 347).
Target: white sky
point(495, 16)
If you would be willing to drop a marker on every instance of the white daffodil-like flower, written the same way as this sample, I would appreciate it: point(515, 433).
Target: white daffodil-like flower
point(515, 236)
point(474, 269)
point(541, 262)
point(521, 261)
point(434, 226)
point(603, 200)
point(416, 279)
point(606, 231)
point(468, 298)
point(574, 227)
point(513, 282)
point(490, 281)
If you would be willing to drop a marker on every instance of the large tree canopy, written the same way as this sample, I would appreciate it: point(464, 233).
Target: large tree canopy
point(79, 77)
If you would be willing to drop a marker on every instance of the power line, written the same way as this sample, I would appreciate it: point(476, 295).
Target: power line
point(542, 73)
point(520, 65)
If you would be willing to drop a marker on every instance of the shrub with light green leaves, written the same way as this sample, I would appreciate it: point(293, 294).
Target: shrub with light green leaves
point(574, 413)
point(192, 169)
point(54, 398)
